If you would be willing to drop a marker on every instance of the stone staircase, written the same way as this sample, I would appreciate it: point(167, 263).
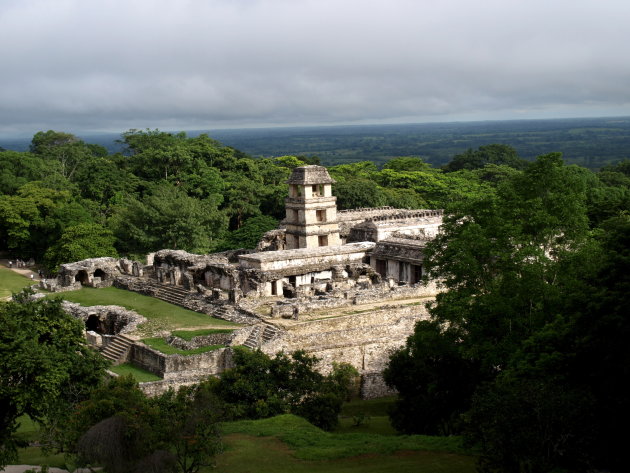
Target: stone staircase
point(252, 340)
point(260, 334)
point(118, 349)
point(269, 332)
point(224, 312)
point(173, 294)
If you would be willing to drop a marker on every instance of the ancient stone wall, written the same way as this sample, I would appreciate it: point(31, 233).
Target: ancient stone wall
point(155, 388)
point(363, 294)
point(105, 319)
point(197, 301)
point(184, 367)
point(200, 341)
point(364, 340)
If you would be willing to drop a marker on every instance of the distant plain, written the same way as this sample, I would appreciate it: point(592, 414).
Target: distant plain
point(589, 142)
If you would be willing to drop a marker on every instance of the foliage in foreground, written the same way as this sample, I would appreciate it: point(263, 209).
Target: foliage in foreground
point(46, 366)
point(312, 443)
point(534, 324)
point(260, 386)
point(122, 430)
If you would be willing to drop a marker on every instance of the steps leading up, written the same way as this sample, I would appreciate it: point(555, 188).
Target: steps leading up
point(117, 351)
point(269, 332)
point(259, 335)
point(252, 341)
point(172, 294)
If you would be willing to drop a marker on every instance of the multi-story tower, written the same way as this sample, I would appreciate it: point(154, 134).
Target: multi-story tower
point(311, 219)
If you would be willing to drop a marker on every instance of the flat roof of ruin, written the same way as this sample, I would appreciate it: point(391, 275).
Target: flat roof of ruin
point(281, 255)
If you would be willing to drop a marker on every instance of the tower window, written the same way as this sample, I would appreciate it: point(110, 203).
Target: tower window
point(322, 240)
point(315, 191)
point(321, 215)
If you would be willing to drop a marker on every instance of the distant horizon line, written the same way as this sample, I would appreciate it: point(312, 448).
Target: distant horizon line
point(24, 135)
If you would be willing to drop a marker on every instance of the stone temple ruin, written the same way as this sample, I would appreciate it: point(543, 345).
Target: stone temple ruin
point(345, 286)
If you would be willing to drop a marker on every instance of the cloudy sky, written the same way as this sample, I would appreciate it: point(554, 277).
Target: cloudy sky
point(111, 65)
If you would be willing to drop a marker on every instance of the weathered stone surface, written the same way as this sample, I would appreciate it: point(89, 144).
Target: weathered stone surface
point(181, 366)
point(105, 319)
point(308, 175)
point(200, 341)
point(291, 292)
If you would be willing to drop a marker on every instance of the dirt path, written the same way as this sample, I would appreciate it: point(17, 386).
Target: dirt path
point(23, 271)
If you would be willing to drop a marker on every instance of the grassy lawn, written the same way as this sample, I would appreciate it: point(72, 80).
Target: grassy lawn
point(190, 334)
point(11, 282)
point(28, 431)
point(369, 425)
point(161, 314)
point(288, 443)
point(310, 443)
point(366, 416)
point(160, 345)
point(370, 407)
point(140, 375)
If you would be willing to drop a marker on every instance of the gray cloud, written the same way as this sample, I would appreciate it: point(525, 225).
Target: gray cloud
point(113, 64)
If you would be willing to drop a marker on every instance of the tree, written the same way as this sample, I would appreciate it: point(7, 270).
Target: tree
point(434, 380)
point(534, 425)
point(16, 169)
point(409, 163)
point(260, 386)
point(123, 430)
point(46, 366)
point(167, 218)
point(64, 148)
point(357, 193)
point(562, 398)
point(34, 218)
point(250, 233)
point(533, 305)
point(488, 154)
point(191, 419)
point(501, 258)
point(83, 241)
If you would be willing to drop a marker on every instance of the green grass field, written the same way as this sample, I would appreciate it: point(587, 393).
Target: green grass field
point(160, 345)
point(161, 315)
point(311, 443)
point(190, 334)
point(366, 416)
point(140, 375)
point(28, 431)
point(290, 444)
point(11, 282)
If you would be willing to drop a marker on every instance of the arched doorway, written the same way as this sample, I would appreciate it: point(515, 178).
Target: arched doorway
point(93, 324)
point(99, 273)
point(82, 277)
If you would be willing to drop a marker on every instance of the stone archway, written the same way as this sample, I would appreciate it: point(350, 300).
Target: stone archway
point(82, 277)
point(99, 273)
point(93, 323)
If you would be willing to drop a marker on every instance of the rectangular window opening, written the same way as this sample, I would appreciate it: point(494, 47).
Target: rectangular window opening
point(381, 267)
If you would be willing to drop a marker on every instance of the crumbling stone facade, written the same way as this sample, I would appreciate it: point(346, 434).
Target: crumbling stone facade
point(345, 286)
point(311, 209)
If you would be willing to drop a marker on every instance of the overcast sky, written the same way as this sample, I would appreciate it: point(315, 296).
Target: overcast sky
point(111, 65)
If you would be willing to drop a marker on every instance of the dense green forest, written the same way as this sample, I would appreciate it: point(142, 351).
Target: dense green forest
point(589, 142)
point(526, 350)
point(66, 199)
